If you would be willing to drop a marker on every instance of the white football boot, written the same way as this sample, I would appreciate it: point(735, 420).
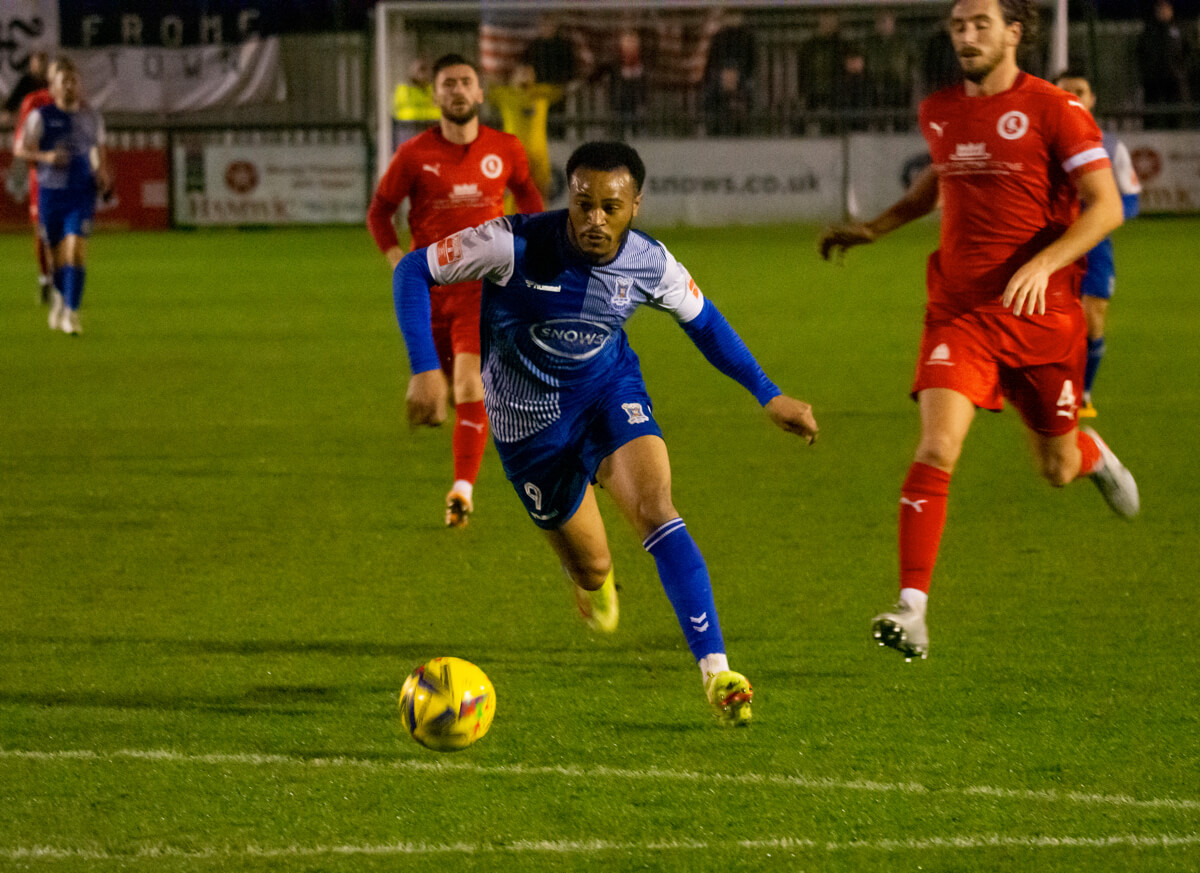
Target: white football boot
point(57, 308)
point(1114, 481)
point(904, 630)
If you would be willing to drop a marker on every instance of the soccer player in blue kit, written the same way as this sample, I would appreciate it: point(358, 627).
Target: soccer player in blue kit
point(66, 141)
point(565, 394)
point(1100, 280)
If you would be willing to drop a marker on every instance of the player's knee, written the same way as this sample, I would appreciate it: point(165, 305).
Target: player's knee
point(938, 452)
point(468, 389)
point(589, 571)
point(1058, 470)
point(653, 511)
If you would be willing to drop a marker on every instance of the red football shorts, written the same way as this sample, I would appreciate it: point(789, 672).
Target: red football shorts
point(455, 310)
point(1035, 362)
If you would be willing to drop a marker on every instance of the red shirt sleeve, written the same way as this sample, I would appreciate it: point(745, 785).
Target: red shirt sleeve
point(389, 194)
point(526, 196)
point(1078, 143)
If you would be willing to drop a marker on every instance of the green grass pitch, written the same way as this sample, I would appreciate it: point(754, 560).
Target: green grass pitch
point(221, 552)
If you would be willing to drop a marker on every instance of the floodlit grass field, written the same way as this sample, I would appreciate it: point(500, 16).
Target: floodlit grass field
point(221, 552)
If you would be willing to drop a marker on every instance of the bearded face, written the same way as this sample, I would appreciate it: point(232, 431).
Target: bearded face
point(457, 93)
point(981, 37)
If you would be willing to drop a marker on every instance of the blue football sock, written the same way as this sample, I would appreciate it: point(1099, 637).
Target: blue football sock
point(72, 285)
point(684, 577)
point(1095, 352)
point(58, 279)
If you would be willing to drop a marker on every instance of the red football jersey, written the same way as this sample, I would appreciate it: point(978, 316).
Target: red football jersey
point(1006, 168)
point(451, 187)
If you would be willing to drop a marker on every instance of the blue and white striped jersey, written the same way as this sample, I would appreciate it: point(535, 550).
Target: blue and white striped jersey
point(79, 133)
point(552, 323)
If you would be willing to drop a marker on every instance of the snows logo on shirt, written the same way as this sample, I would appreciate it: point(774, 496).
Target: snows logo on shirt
point(574, 338)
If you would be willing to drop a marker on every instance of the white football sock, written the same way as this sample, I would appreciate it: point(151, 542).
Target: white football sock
point(915, 598)
point(711, 665)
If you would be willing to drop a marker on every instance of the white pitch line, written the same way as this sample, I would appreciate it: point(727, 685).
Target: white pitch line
point(651, 774)
point(594, 847)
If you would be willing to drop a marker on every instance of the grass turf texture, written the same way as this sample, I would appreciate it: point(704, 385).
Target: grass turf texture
point(222, 552)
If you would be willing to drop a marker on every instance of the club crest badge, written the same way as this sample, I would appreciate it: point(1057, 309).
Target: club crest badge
point(621, 297)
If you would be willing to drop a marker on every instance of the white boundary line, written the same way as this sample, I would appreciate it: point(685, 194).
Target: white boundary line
point(593, 847)
point(602, 772)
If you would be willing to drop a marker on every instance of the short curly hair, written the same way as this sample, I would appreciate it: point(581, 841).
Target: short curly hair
point(1023, 12)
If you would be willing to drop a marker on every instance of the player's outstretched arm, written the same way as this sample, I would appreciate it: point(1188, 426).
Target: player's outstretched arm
point(427, 391)
point(794, 416)
point(918, 200)
point(103, 172)
point(724, 349)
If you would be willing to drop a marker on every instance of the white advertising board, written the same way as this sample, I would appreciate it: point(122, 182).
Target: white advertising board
point(881, 167)
point(725, 181)
point(1168, 165)
point(293, 183)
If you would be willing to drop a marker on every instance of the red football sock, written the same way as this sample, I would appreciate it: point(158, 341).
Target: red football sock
point(470, 439)
point(1090, 452)
point(922, 518)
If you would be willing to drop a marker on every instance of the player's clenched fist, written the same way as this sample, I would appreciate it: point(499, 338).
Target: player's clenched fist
point(426, 398)
point(794, 416)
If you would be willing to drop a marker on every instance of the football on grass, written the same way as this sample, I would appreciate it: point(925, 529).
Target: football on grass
point(447, 704)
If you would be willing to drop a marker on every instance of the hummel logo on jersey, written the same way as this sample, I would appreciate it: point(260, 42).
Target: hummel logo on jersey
point(915, 504)
point(553, 289)
point(433, 168)
point(970, 151)
point(940, 355)
point(938, 127)
point(465, 191)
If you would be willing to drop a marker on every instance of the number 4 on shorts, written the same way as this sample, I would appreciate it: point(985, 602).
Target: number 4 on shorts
point(1066, 399)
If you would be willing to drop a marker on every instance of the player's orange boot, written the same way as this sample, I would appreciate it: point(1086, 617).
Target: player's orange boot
point(458, 509)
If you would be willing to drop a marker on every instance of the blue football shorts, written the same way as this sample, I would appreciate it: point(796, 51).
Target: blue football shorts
point(1100, 280)
point(552, 469)
point(63, 213)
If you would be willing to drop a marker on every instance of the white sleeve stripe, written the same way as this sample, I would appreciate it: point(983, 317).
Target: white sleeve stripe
point(1085, 157)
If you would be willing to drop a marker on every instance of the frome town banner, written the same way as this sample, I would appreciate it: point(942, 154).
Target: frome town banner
point(148, 56)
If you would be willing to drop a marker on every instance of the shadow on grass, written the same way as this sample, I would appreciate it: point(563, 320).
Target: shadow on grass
point(257, 701)
point(586, 654)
